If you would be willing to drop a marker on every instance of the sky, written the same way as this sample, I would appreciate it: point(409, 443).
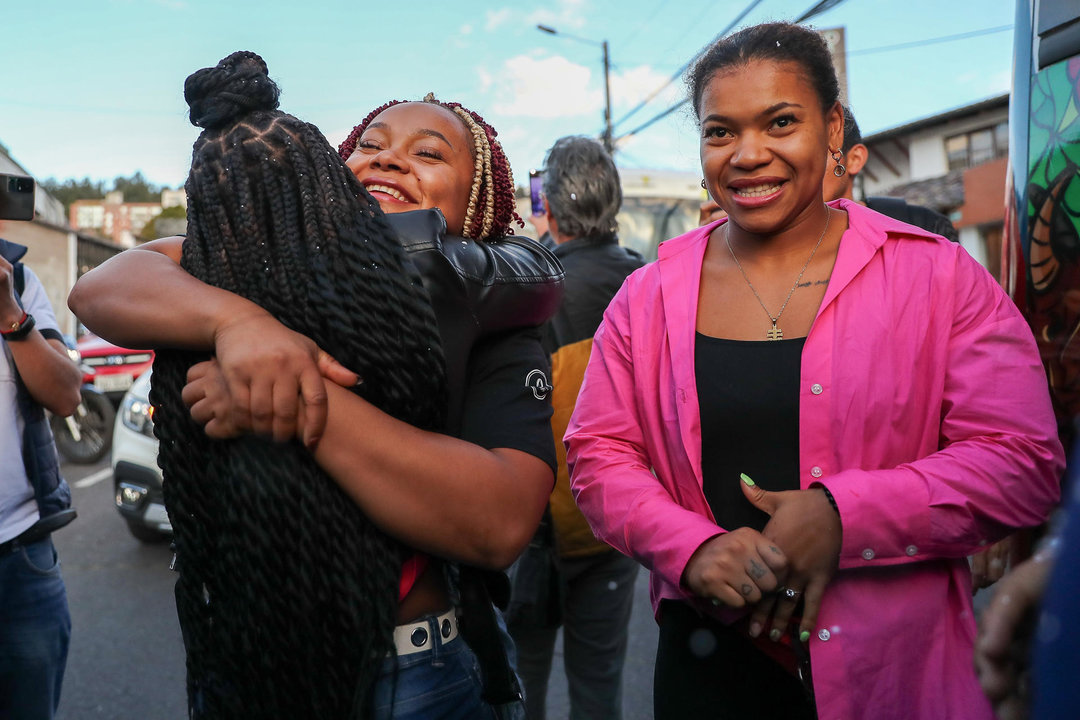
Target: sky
point(94, 88)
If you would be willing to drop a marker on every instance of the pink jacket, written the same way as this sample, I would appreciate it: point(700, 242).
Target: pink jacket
point(923, 408)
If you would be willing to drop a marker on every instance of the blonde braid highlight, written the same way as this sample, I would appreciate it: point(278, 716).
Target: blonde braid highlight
point(482, 171)
point(491, 176)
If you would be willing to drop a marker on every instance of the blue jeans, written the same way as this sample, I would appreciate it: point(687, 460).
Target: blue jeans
point(442, 683)
point(35, 629)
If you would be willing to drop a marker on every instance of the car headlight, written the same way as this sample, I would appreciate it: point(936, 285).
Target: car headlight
point(138, 415)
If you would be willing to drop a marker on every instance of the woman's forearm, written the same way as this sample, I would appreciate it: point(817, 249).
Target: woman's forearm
point(143, 298)
point(433, 492)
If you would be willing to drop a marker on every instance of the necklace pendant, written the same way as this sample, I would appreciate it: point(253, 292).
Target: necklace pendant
point(774, 333)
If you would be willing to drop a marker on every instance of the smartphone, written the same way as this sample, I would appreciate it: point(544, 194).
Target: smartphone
point(16, 197)
point(536, 188)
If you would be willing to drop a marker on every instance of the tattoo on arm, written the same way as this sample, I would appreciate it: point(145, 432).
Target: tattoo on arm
point(756, 571)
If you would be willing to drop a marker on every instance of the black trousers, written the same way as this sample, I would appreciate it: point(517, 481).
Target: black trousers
point(704, 669)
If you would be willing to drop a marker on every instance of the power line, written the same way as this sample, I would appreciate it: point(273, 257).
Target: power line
point(625, 42)
point(931, 41)
point(815, 9)
point(678, 73)
point(658, 118)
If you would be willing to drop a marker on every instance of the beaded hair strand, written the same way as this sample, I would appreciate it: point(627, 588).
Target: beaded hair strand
point(491, 209)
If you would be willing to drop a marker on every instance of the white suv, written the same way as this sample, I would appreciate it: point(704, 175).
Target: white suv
point(136, 475)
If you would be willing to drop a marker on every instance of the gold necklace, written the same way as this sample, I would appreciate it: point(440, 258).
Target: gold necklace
point(774, 332)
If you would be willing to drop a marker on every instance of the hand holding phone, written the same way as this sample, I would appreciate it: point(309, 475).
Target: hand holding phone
point(16, 197)
point(536, 190)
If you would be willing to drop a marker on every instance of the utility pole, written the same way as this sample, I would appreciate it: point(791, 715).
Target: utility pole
point(609, 142)
point(608, 136)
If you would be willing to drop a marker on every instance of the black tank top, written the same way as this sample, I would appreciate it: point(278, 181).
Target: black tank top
point(748, 392)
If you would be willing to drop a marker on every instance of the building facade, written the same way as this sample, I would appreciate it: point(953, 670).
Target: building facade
point(954, 162)
point(119, 221)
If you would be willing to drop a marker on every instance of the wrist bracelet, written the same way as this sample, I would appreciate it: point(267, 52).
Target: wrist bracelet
point(830, 498)
point(19, 330)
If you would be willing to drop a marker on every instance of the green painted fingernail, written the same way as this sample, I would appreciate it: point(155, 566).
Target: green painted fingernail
point(746, 479)
point(775, 634)
point(804, 635)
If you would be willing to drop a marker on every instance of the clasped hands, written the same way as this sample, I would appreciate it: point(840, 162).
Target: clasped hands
point(797, 551)
point(264, 379)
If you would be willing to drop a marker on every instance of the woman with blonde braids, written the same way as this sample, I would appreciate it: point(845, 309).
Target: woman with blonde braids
point(394, 148)
point(465, 503)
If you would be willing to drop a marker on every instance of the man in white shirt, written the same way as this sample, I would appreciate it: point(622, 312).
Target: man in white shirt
point(35, 374)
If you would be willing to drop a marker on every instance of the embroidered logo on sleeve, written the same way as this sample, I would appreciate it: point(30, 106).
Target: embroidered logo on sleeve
point(537, 381)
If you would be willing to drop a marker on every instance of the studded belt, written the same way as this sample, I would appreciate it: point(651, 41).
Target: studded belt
point(421, 635)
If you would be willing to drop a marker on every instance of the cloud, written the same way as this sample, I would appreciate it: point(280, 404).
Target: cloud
point(461, 38)
point(546, 87)
point(554, 86)
point(631, 86)
point(496, 18)
point(536, 99)
point(997, 83)
point(562, 15)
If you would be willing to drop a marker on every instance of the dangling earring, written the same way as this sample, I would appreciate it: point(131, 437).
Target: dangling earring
point(702, 183)
point(838, 158)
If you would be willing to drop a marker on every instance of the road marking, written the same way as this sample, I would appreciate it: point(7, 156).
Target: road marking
point(94, 479)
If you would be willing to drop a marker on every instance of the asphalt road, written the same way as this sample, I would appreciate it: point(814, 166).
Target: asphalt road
point(126, 660)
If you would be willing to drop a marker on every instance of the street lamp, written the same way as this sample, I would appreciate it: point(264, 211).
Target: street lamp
point(609, 143)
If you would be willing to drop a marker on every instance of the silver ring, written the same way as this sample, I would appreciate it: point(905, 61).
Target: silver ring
point(790, 594)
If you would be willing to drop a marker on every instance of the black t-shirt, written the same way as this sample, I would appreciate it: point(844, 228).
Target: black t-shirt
point(748, 393)
point(508, 398)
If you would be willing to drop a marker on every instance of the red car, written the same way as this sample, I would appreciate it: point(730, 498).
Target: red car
point(112, 369)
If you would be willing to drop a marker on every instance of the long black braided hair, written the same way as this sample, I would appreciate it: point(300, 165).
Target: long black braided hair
point(287, 594)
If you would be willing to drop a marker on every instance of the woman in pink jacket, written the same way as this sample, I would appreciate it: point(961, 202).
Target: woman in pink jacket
point(880, 397)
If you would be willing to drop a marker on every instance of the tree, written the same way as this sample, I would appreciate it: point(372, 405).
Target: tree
point(135, 188)
point(71, 190)
point(150, 231)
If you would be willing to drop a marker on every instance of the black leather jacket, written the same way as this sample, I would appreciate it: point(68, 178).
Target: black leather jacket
point(477, 288)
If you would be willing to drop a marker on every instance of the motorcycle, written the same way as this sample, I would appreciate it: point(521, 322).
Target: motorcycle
point(85, 436)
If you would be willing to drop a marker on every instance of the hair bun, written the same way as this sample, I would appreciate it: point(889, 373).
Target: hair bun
point(237, 85)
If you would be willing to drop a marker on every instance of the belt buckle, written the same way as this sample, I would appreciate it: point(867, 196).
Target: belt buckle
point(419, 636)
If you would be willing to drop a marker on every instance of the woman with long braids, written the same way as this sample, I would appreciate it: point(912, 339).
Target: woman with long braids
point(254, 520)
point(294, 601)
point(802, 419)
